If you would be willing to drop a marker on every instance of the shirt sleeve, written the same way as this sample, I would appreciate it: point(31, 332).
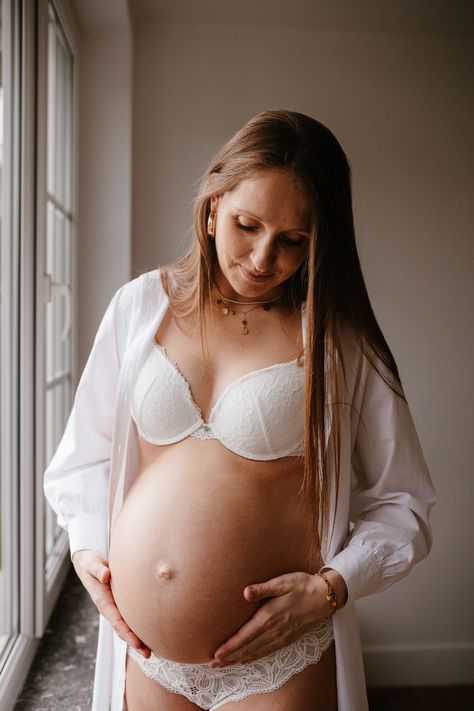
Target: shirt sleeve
point(76, 480)
point(392, 493)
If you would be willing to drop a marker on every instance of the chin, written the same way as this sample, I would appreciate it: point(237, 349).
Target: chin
point(259, 291)
point(249, 284)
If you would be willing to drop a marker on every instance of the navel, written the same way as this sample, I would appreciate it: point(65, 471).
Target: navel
point(164, 571)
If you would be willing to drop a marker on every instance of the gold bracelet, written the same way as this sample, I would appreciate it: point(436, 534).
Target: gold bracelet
point(330, 595)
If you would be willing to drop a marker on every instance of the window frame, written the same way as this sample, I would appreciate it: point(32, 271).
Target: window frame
point(50, 585)
point(17, 317)
point(23, 326)
point(11, 80)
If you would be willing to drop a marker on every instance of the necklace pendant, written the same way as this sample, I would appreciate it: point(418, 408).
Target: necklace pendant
point(245, 330)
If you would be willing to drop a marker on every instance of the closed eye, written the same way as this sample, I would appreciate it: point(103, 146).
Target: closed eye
point(284, 239)
point(246, 228)
point(292, 242)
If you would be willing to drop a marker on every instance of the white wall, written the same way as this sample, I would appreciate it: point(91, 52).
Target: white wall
point(402, 109)
point(105, 165)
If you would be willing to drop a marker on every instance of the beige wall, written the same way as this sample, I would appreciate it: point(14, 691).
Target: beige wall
point(105, 175)
point(402, 109)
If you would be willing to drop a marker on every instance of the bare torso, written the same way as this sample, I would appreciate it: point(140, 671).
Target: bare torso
point(200, 522)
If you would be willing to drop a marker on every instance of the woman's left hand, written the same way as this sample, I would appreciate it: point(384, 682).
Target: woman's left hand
point(292, 604)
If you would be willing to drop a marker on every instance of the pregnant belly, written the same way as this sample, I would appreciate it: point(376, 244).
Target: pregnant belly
point(185, 545)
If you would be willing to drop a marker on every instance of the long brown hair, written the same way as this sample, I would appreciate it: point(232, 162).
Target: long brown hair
point(330, 280)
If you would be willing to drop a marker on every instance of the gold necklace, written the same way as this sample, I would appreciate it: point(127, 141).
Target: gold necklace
point(223, 303)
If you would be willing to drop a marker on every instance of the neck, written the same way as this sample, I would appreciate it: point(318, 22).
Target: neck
point(246, 303)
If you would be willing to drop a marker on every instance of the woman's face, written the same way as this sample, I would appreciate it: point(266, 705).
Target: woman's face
point(262, 234)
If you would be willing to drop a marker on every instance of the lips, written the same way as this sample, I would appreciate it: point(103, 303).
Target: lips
point(255, 276)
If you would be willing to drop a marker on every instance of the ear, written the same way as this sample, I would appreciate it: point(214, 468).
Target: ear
point(214, 201)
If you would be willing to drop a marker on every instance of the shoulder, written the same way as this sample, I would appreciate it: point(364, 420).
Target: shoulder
point(142, 281)
point(146, 285)
point(135, 304)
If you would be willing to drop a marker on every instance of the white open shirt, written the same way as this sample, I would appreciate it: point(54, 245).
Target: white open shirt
point(380, 527)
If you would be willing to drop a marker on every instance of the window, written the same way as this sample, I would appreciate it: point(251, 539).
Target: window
point(59, 256)
point(37, 254)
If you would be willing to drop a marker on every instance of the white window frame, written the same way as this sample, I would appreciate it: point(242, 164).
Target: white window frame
point(23, 323)
point(48, 590)
point(17, 319)
point(11, 51)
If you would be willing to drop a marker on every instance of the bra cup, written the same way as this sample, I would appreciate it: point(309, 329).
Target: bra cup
point(154, 402)
point(260, 415)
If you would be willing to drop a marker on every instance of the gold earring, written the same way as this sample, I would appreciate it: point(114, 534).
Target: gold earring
point(211, 224)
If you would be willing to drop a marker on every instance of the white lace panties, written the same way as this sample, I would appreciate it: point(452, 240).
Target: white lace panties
point(211, 688)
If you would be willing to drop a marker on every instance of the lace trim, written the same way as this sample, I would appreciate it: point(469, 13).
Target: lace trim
point(203, 432)
point(212, 688)
point(172, 362)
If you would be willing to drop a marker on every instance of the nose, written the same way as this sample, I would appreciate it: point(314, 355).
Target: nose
point(262, 255)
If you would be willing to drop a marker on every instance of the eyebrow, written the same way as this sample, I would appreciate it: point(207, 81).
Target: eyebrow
point(246, 213)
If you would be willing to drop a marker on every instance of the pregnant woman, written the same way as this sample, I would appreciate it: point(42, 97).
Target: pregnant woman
point(240, 464)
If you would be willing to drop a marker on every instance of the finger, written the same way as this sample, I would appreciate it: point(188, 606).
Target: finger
point(267, 639)
point(100, 571)
point(271, 588)
point(263, 651)
point(275, 632)
point(96, 578)
point(108, 609)
point(128, 636)
point(246, 634)
point(93, 565)
point(266, 643)
point(254, 650)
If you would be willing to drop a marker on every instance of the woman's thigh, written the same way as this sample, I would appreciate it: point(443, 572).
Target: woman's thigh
point(313, 689)
point(144, 694)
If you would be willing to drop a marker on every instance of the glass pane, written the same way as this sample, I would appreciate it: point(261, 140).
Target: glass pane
point(59, 110)
point(51, 102)
point(59, 250)
point(68, 134)
point(60, 115)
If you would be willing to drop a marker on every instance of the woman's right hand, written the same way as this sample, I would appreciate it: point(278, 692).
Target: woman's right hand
point(94, 573)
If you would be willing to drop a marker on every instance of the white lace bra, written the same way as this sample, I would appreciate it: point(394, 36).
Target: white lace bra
point(258, 416)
